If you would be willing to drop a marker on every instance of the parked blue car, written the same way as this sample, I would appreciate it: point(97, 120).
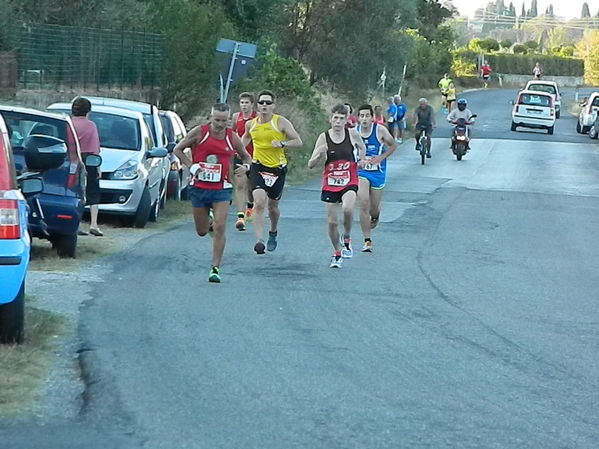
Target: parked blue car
point(15, 242)
point(63, 198)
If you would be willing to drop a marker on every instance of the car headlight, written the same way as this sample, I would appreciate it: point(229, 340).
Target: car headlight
point(126, 171)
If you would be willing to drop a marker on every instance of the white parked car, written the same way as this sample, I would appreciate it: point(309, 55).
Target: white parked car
point(588, 112)
point(132, 167)
point(534, 109)
point(549, 87)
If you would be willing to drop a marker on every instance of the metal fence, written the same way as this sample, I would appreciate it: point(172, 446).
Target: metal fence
point(53, 56)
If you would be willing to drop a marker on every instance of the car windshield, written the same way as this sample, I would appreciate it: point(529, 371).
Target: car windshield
point(20, 126)
point(542, 88)
point(596, 101)
point(534, 100)
point(116, 131)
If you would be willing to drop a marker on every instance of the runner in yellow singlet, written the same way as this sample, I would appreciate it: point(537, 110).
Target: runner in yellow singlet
point(270, 135)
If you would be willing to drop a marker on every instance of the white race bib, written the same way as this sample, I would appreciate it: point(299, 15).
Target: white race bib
point(269, 178)
point(372, 167)
point(338, 178)
point(209, 172)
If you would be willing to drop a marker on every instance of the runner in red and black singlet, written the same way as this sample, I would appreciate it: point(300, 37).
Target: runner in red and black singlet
point(338, 147)
point(244, 200)
point(212, 149)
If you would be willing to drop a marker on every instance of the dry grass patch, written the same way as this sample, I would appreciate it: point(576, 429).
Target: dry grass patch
point(23, 367)
point(116, 238)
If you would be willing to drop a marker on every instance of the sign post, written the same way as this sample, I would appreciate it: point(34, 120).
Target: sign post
point(235, 66)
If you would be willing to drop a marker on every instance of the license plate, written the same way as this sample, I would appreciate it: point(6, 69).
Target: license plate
point(534, 111)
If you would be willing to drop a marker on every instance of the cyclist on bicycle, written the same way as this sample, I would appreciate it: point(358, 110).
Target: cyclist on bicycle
point(424, 118)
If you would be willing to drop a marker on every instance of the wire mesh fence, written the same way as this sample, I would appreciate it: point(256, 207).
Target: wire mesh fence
point(54, 56)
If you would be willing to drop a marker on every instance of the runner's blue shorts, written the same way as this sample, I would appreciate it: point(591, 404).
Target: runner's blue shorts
point(206, 198)
point(375, 178)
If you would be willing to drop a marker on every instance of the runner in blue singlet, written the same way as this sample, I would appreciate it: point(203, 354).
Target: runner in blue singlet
point(379, 146)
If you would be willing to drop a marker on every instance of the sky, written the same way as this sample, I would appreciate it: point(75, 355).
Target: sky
point(564, 8)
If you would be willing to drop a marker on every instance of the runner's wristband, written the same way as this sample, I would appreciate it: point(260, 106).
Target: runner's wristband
point(283, 143)
point(194, 169)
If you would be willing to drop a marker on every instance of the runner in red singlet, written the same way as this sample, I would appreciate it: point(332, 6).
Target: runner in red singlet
point(338, 147)
point(244, 200)
point(212, 148)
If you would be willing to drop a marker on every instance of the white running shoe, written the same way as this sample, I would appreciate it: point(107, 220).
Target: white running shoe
point(346, 250)
point(336, 261)
point(367, 248)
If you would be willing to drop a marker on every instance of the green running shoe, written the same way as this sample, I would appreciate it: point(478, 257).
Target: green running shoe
point(214, 275)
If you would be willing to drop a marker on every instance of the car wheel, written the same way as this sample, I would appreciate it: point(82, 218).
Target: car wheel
point(155, 211)
point(585, 129)
point(513, 126)
point(12, 318)
point(142, 214)
point(557, 113)
point(578, 128)
point(550, 130)
point(65, 245)
point(593, 132)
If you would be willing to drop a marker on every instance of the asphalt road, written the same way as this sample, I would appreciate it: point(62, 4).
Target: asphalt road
point(473, 324)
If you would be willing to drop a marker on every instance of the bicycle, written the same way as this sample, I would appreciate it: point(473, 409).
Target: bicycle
point(422, 145)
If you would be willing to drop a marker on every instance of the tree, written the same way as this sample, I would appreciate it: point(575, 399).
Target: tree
point(489, 45)
point(506, 44)
point(533, 9)
point(523, 12)
point(512, 10)
point(588, 48)
point(520, 49)
point(531, 45)
point(586, 12)
point(550, 10)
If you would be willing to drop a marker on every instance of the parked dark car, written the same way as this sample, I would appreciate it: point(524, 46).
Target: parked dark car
point(63, 197)
point(178, 179)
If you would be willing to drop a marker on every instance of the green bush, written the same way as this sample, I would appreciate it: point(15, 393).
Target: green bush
point(523, 64)
point(520, 49)
point(464, 63)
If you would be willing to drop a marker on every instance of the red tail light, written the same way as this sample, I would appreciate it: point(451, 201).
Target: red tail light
point(550, 102)
point(9, 220)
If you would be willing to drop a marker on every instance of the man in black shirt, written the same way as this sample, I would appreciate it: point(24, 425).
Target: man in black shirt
point(424, 117)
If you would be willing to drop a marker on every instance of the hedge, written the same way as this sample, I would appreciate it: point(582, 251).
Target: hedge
point(523, 64)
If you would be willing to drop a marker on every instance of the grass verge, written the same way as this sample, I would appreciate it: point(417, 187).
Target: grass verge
point(116, 237)
point(22, 367)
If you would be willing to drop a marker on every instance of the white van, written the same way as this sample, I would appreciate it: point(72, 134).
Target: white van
point(534, 109)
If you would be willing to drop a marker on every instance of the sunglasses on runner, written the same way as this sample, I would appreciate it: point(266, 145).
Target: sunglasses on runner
point(267, 102)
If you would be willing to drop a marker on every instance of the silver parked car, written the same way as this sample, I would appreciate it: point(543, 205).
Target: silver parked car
point(132, 167)
point(178, 180)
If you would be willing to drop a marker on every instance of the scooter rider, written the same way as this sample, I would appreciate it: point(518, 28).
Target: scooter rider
point(462, 112)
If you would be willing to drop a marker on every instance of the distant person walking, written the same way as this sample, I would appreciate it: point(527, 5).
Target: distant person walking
point(443, 86)
point(451, 96)
point(89, 143)
point(402, 110)
point(537, 71)
point(485, 73)
point(379, 118)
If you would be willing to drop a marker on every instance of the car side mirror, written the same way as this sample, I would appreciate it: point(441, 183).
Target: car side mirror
point(31, 186)
point(44, 152)
point(93, 160)
point(512, 102)
point(170, 147)
point(157, 152)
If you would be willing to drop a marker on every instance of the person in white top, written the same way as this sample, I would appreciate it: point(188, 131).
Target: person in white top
point(462, 112)
point(537, 72)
